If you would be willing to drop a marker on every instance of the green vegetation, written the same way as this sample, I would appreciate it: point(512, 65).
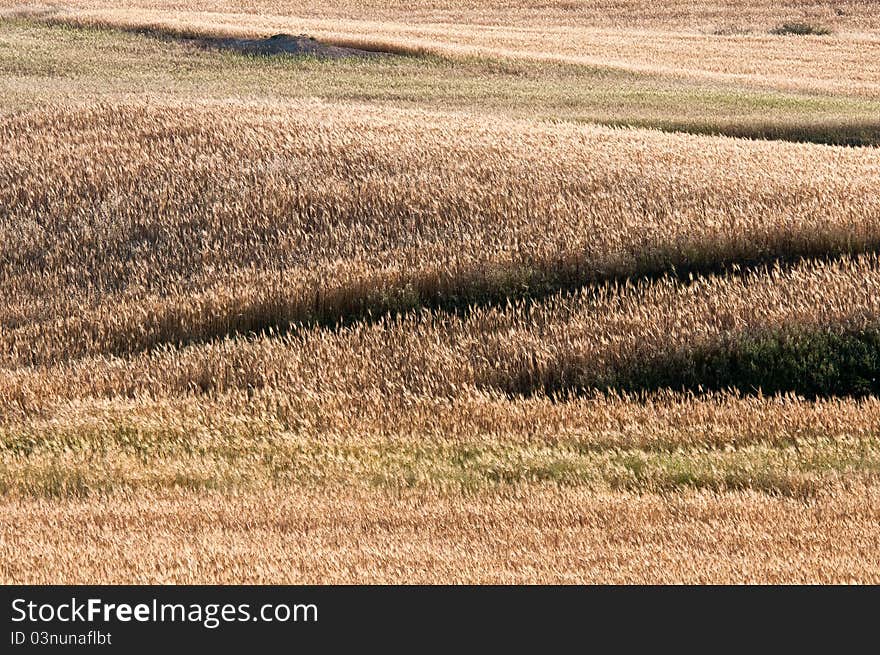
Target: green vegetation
point(801, 29)
point(809, 363)
point(93, 463)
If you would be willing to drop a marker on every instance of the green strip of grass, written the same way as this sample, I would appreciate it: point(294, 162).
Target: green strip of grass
point(799, 470)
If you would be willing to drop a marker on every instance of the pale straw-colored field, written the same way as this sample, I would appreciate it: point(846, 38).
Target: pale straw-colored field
point(512, 303)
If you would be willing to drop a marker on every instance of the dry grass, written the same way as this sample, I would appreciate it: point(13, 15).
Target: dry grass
point(289, 321)
point(589, 336)
point(844, 62)
point(684, 15)
point(530, 534)
point(243, 218)
point(44, 64)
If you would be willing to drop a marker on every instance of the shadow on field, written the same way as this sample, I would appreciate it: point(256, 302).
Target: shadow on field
point(372, 301)
point(301, 45)
point(526, 283)
point(285, 44)
point(845, 133)
point(812, 363)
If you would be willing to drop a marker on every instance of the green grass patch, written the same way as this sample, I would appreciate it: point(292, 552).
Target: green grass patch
point(800, 29)
point(799, 470)
point(809, 363)
point(812, 363)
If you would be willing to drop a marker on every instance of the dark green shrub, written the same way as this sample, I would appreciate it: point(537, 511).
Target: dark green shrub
point(801, 29)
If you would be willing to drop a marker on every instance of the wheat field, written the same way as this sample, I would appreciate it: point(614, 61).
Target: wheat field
point(575, 292)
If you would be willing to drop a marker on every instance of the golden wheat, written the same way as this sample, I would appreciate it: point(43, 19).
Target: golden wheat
point(302, 339)
point(531, 534)
point(166, 225)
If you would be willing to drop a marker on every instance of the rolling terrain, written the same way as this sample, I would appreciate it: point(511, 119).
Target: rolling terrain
point(577, 292)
